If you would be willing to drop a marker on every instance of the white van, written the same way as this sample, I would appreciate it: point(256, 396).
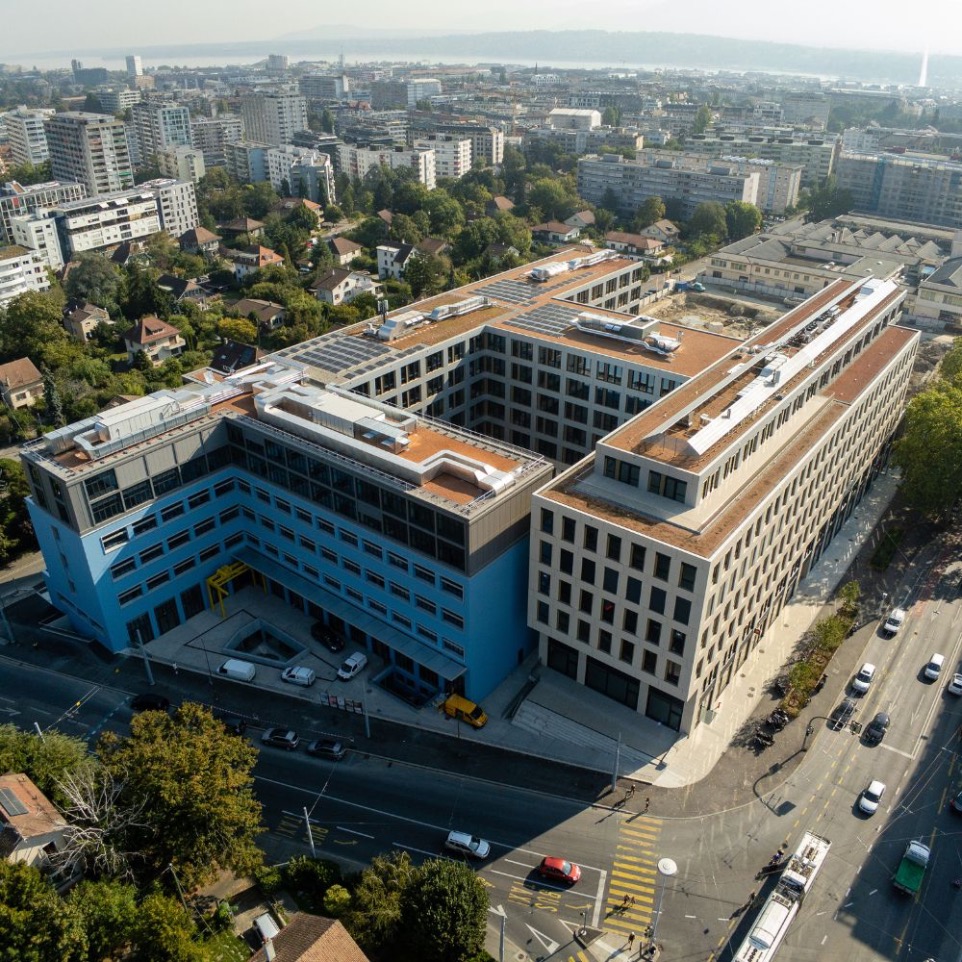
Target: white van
point(238, 670)
point(934, 668)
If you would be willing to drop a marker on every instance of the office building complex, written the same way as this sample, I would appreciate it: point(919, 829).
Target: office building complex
point(26, 135)
point(17, 200)
point(273, 118)
point(135, 67)
point(403, 94)
point(660, 563)
point(324, 86)
point(909, 186)
point(246, 162)
point(90, 149)
point(118, 100)
point(691, 181)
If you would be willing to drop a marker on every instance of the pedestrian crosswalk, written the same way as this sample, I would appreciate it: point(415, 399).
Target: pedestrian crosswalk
point(630, 903)
point(581, 956)
point(292, 826)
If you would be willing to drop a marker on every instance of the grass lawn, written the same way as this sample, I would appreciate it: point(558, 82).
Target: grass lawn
point(226, 947)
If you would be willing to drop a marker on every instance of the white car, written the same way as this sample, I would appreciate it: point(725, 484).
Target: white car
point(469, 845)
point(894, 621)
point(955, 685)
point(353, 665)
point(298, 675)
point(869, 800)
point(863, 680)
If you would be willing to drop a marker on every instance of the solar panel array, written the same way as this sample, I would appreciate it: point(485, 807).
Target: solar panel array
point(10, 803)
point(512, 291)
point(550, 319)
point(337, 354)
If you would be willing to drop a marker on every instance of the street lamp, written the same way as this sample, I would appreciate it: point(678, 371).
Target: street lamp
point(666, 869)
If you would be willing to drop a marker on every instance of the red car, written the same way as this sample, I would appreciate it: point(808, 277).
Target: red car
point(558, 870)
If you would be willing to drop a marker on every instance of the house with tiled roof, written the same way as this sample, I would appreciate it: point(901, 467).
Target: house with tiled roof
point(80, 318)
point(432, 246)
point(199, 240)
point(243, 225)
point(31, 827)
point(392, 258)
point(254, 258)
point(635, 245)
point(155, 338)
point(340, 286)
point(582, 219)
point(344, 250)
point(555, 232)
point(311, 938)
point(386, 215)
point(234, 356)
point(182, 289)
point(266, 313)
point(20, 383)
point(498, 205)
point(663, 230)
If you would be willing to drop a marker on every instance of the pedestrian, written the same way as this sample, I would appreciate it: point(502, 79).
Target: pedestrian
point(630, 792)
point(632, 901)
point(631, 939)
point(647, 804)
point(751, 897)
point(624, 903)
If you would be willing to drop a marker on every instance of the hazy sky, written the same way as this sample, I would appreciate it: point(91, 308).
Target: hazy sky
point(95, 24)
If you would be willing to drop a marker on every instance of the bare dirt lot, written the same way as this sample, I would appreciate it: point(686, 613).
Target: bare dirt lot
point(731, 316)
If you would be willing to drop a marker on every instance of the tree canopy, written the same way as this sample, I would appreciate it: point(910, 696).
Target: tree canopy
point(742, 219)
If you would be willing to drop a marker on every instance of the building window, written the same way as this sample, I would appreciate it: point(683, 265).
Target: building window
point(649, 662)
point(656, 600)
point(686, 578)
point(662, 566)
point(653, 632)
point(637, 557)
point(547, 521)
point(672, 672)
point(633, 591)
point(610, 581)
point(682, 610)
point(627, 652)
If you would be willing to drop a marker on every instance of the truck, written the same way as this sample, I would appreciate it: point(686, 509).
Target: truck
point(908, 876)
point(696, 286)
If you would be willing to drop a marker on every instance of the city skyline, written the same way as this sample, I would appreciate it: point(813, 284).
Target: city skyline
point(856, 25)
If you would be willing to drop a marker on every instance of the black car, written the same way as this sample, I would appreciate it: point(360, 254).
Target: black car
point(234, 724)
point(327, 636)
point(326, 748)
point(842, 714)
point(877, 729)
point(148, 701)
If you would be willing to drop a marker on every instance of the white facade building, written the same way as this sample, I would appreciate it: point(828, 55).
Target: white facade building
point(210, 135)
point(26, 135)
point(135, 66)
point(38, 232)
point(182, 163)
point(90, 149)
point(357, 161)
point(21, 270)
point(158, 126)
point(16, 200)
point(176, 204)
point(452, 155)
point(273, 118)
point(106, 220)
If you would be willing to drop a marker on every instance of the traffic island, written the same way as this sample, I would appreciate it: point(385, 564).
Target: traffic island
point(585, 935)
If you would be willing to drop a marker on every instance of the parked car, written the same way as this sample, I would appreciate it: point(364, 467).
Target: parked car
point(843, 712)
point(559, 870)
point(298, 675)
point(353, 665)
point(148, 701)
point(327, 636)
point(934, 667)
point(877, 729)
point(956, 803)
point(326, 748)
point(863, 680)
point(234, 724)
point(469, 845)
point(281, 738)
point(955, 685)
point(894, 621)
point(869, 800)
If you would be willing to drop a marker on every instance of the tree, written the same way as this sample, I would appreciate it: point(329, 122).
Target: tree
point(929, 452)
point(702, 119)
point(258, 199)
point(51, 399)
point(650, 212)
point(31, 327)
point(141, 295)
point(826, 201)
point(444, 912)
point(742, 219)
point(426, 274)
point(96, 279)
point(375, 912)
point(36, 925)
point(238, 329)
point(327, 121)
point(611, 117)
point(708, 221)
point(164, 932)
point(445, 212)
point(194, 782)
point(951, 367)
point(553, 198)
point(108, 913)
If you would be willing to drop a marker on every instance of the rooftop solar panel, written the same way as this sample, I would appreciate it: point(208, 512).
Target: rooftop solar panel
point(10, 803)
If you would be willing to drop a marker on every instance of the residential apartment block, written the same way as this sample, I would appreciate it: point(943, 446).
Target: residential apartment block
point(17, 200)
point(182, 163)
point(38, 232)
point(117, 100)
point(452, 154)
point(210, 135)
point(905, 186)
point(324, 86)
point(21, 270)
point(106, 220)
point(273, 118)
point(404, 94)
point(303, 171)
point(26, 135)
point(357, 161)
point(660, 563)
point(158, 126)
point(487, 143)
point(692, 181)
point(176, 204)
point(90, 149)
